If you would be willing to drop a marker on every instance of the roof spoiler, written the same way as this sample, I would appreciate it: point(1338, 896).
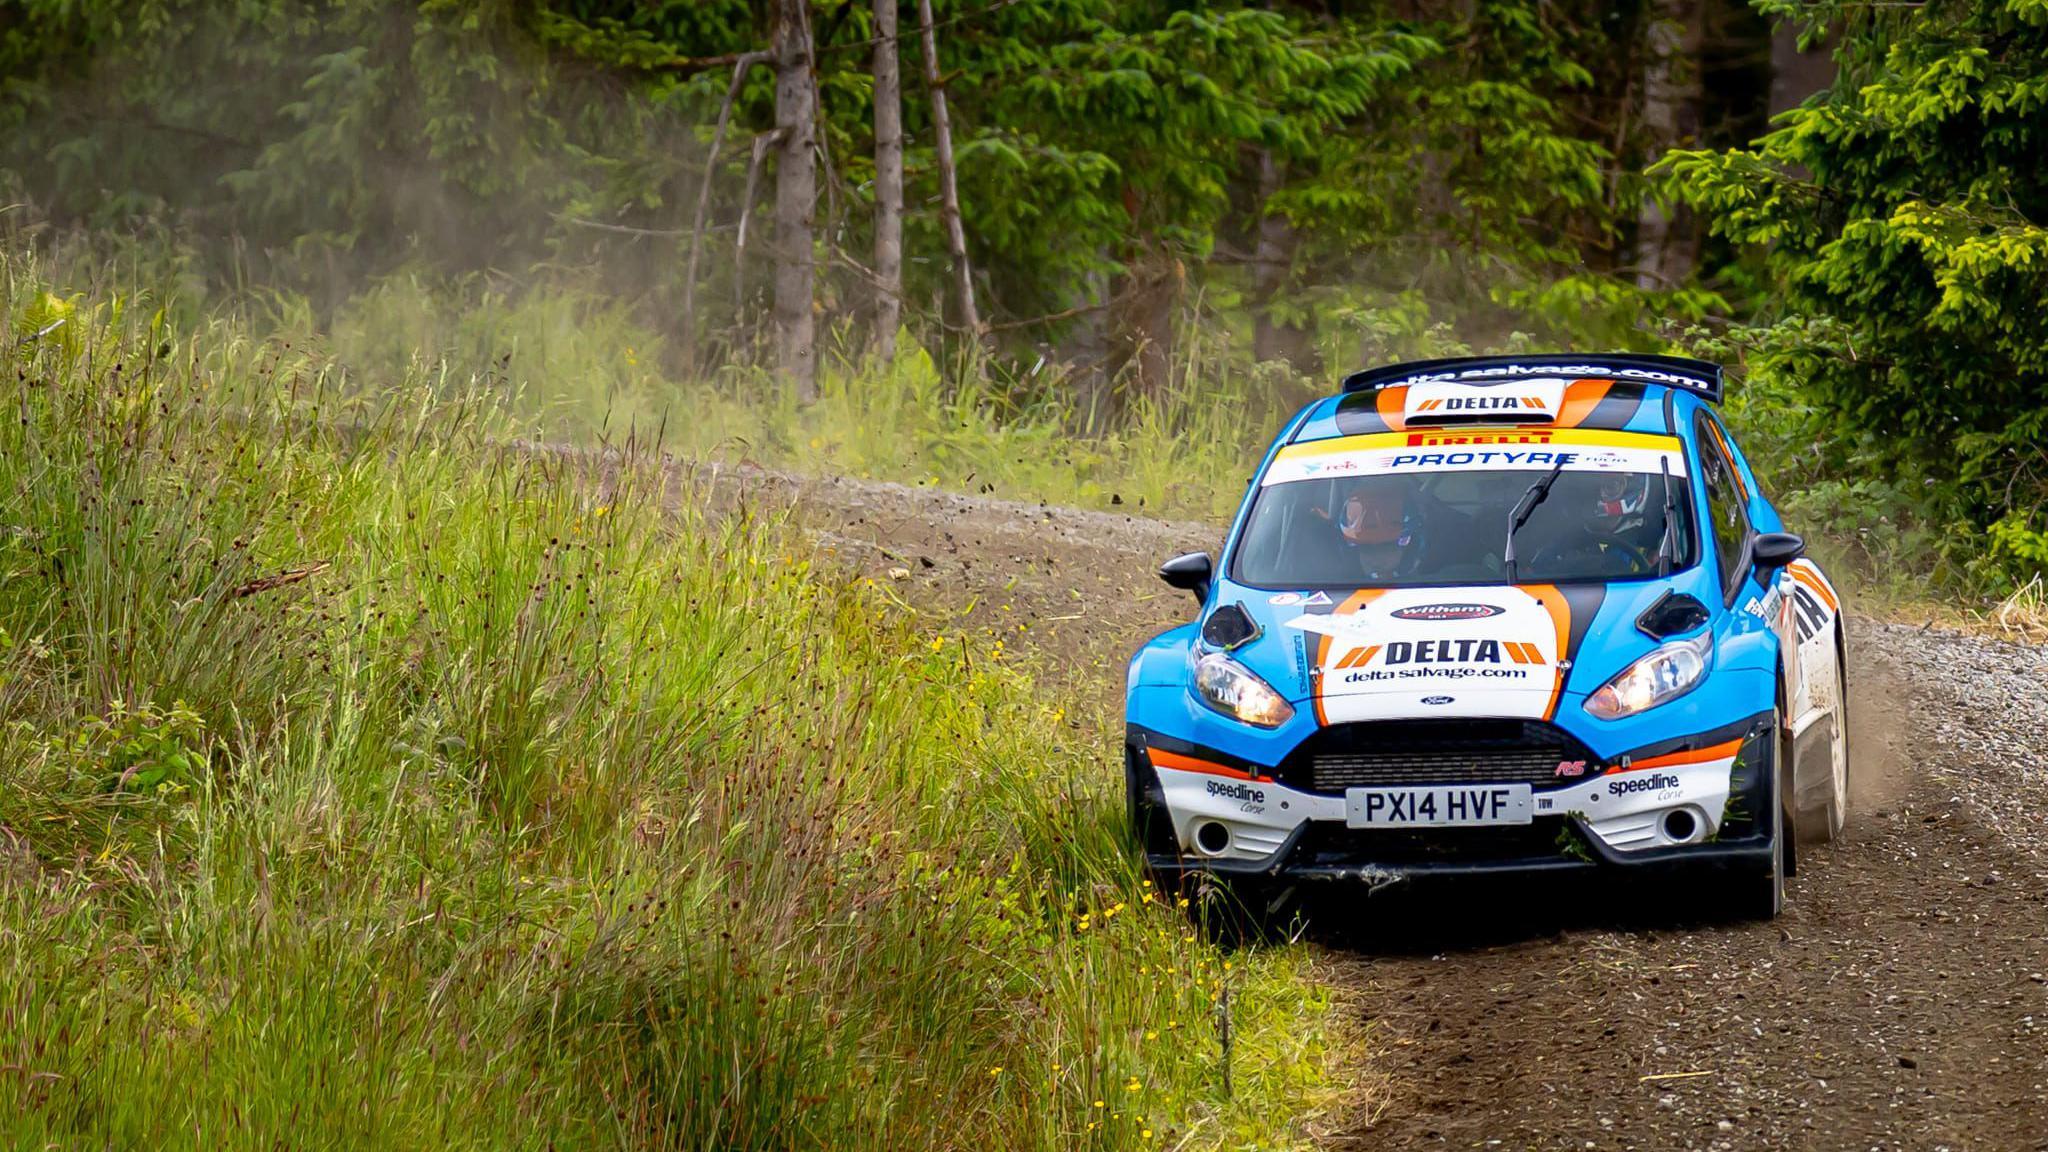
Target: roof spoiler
point(1696, 376)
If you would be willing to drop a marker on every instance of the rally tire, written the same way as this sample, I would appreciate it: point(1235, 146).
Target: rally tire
point(1823, 822)
point(1232, 912)
point(1761, 896)
point(1150, 827)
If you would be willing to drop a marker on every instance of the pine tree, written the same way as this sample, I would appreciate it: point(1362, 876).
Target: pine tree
point(1900, 219)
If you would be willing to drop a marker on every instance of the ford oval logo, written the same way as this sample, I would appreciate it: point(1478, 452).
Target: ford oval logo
point(1438, 699)
point(1447, 612)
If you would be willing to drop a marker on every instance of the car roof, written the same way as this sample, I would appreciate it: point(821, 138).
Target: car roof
point(1554, 402)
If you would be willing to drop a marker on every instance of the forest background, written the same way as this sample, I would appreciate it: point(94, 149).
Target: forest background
point(364, 784)
point(1084, 250)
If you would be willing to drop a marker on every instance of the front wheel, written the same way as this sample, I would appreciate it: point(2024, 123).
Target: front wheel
point(1762, 896)
point(1234, 912)
point(1826, 819)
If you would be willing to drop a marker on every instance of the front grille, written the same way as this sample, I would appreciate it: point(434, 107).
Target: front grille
point(1340, 770)
point(1405, 752)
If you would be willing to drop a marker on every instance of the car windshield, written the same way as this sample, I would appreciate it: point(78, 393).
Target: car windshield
point(1395, 517)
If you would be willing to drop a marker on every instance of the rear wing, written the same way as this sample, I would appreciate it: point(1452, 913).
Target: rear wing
point(1696, 376)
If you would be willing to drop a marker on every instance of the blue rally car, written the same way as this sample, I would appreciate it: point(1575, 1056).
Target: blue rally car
point(1497, 615)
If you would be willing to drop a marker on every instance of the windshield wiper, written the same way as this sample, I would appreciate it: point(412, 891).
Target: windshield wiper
point(1667, 548)
point(1537, 493)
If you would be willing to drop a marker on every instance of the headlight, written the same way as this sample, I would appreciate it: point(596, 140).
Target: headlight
point(1232, 689)
point(1665, 674)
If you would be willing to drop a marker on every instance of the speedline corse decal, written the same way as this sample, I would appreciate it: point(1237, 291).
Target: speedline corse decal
point(1449, 449)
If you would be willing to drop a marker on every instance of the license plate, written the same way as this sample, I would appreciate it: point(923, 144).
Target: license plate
point(1437, 806)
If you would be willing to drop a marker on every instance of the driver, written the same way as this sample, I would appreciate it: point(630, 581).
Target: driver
point(1617, 511)
point(1373, 520)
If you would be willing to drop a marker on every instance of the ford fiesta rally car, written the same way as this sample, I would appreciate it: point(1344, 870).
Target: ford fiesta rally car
point(1497, 615)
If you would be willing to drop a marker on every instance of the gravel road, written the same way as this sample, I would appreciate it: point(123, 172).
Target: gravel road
point(1901, 1002)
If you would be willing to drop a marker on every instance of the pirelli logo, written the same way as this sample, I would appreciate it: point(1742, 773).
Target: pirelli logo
point(1438, 439)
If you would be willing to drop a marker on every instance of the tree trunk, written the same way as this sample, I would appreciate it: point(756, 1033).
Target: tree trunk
point(1142, 313)
point(888, 182)
point(1085, 350)
point(1796, 75)
point(796, 198)
point(949, 188)
point(1667, 242)
point(1272, 256)
point(739, 76)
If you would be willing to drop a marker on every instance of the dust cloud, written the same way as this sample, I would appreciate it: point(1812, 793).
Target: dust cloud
point(1880, 726)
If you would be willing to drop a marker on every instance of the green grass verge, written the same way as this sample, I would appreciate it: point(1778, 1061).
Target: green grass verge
point(577, 363)
point(389, 788)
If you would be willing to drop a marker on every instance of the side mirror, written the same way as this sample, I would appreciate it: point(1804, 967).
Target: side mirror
point(1773, 550)
point(1192, 571)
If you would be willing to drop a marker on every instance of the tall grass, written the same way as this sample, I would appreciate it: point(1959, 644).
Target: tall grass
point(580, 364)
point(366, 783)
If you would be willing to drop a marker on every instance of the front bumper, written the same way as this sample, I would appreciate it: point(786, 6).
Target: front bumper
point(1293, 862)
point(1613, 820)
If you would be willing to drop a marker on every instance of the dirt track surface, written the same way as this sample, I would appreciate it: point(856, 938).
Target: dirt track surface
point(1901, 1002)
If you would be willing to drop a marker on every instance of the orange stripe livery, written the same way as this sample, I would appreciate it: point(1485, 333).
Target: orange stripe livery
point(1561, 622)
point(1351, 604)
point(1163, 759)
point(1359, 657)
point(1818, 586)
point(1580, 398)
point(1393, 405)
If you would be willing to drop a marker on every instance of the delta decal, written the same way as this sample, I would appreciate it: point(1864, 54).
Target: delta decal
point(1497, 651)
point(1526, 401)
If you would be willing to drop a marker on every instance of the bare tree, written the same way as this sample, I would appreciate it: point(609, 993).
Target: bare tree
point(796, 197)
point(1272, 253)
point(1667, 243)
point(888, 182)
point(740, 67)
point(949, 188)
point(1141, 312)
point(763, 144)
